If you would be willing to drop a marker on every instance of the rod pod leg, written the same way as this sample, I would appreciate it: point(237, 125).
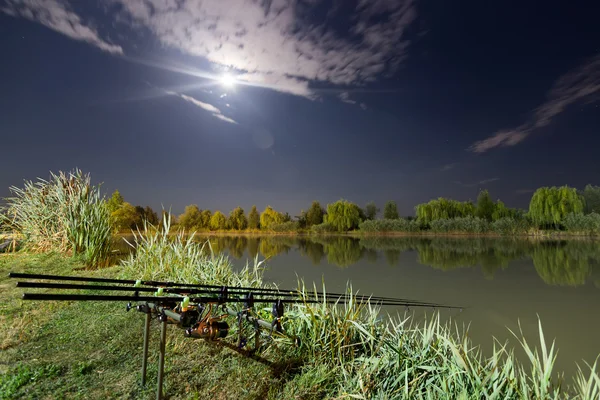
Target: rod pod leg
point(161, 356)
point(145, 350)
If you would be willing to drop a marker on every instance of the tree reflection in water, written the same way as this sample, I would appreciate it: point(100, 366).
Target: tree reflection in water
point(569, 263)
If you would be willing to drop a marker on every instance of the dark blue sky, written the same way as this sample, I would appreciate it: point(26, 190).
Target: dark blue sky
point(377, 100)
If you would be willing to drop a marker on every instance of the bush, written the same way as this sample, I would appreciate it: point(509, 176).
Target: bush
point(466, 225)
point(64, 214)
point(290, 226)
point(589, 224)
point(325, 227)
point(510, 226)
point(389, 225)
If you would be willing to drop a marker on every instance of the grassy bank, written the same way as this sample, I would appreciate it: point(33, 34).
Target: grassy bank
point(89, 350)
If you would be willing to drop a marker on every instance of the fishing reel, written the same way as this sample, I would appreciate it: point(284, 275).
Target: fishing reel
point(211, 329)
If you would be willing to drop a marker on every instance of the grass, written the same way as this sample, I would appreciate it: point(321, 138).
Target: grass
point(64, 214)
point(93, 350)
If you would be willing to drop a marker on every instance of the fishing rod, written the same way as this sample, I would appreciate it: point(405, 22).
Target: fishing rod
point(203, 299)
point(200, 310)
point(173, 284)
point(230, 292)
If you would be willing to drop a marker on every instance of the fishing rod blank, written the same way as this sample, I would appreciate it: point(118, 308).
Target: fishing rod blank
point(200, 300)
point(168, 284)
point(230, 292)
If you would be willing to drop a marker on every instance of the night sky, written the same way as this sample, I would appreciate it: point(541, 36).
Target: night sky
point(368, 100)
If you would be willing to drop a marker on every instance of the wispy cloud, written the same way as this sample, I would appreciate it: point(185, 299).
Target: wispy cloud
point(272, 43)
point(224, 118)
point(58, 15)
point(345, 97)
point(578, 84)
point(196, 102)
point(479, 183)
point(448, 167)
point(205, 106)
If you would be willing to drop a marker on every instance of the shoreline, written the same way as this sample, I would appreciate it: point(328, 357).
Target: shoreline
point(540, 235)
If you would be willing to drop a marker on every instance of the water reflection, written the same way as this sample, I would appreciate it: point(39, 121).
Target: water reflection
point(567, 263)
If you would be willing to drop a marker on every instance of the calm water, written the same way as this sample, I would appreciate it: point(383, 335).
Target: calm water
point(498, 281)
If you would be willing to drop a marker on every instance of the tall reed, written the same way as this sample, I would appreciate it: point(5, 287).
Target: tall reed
point(64, 214)
point(352, 351)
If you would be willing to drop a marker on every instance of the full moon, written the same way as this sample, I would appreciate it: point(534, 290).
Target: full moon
point(227, 80)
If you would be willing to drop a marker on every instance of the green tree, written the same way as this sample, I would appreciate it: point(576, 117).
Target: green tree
point(314, 215)
point(371, 211)
point(550, 205)
point(237, 219)
point(150, 215)
point(115, 201)
point(390, 210)
point(253, 218)
point(301, 219)
point(270, 217)
point(140, 216)
point(124, 217)
point(443, 209)
point(218, 221)
point(343, 215)
point(591, 195)
point(485, 205)
point(205, 217)
point(191, 219)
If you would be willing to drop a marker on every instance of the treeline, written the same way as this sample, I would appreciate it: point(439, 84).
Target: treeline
point(551, 208)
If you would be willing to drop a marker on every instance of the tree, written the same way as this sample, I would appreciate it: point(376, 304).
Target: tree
point(485, 205)
point(237, 219)
point(124, 217)
point(115, 201)
point(442, 208)
point(218, 221)
point(591, 195)
point(343, 215)
point(139, 216)
point(314, 215)
point(150, 215)
point(549, 205)
point(270, 217)
point(371, 211)
point(390, 210)
point(253, 219)
point(205, 217)
point(191, 219)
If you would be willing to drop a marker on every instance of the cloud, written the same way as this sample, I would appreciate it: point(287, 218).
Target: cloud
point(224, 118)
point(345, 97)
point(277, 44)
point(480, 183)
point(578, 84)
point(483, 182)
point(448, 167)
point(205, 106)
point(57, 15)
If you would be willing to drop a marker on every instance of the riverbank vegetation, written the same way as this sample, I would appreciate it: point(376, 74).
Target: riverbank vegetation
point(54, 349)
point(552, 211)
point(65, 213)
point(85, 349)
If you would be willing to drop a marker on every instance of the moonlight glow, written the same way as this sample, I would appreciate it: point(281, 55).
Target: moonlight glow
point(227, 80)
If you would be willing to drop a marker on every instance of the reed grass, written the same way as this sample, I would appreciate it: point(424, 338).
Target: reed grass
point(350, 350)
point(65, 214)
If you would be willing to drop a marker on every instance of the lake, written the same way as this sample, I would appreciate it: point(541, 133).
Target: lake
point(499, 282)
